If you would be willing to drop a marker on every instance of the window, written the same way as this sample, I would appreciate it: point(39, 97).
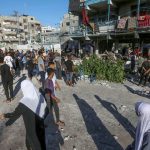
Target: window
point(31, 18)
point(25, 27)
point(24, 21)
point(67, 23)
point(20, 24)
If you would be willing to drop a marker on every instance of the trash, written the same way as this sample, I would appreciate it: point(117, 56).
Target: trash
point(115, 137)
point(62, 129)
point(123, 107)
point(74, 148)
point(66, 138)
point(105, 84)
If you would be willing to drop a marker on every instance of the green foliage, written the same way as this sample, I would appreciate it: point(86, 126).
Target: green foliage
point(104, 69)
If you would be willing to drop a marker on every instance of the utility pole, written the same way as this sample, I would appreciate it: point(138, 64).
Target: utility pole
point(138, 8)
point(108, 20)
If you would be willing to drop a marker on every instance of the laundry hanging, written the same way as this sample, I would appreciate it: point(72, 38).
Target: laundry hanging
point(122, 23)
point(132, 23)
point(85, 18)
point(144, 21)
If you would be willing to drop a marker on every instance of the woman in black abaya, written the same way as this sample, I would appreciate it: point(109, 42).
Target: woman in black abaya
point(33, 109)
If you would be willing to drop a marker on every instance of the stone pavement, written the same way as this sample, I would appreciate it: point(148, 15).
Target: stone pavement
point(98, 116)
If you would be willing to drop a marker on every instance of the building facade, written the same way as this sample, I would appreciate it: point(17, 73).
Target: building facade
point(19, 30)
point(121, 21)
point(50, 38)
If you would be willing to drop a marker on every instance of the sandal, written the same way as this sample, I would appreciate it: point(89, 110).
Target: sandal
point(7, 101)
point(60, 123)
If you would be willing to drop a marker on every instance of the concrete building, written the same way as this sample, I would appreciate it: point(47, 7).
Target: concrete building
point(68, 27)
point(50, 37)
point(47, 29)
point(19, 30)
point(121, 25)
point(70, 23)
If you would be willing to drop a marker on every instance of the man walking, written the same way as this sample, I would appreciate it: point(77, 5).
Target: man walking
point(7, 80)
point(41, 67)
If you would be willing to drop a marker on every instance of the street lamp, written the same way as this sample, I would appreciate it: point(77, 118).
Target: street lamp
point(108, 20)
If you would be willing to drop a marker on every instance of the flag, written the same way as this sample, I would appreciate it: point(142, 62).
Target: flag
point(110, 2)
point(85, 18)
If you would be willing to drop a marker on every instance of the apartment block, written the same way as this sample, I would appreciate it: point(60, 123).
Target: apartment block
point(50, 35)
point(18, 30)
point(70, 23)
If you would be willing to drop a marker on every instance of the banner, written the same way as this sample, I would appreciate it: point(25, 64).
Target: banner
point(85, 18)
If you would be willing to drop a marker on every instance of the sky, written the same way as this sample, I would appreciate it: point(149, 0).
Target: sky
point(48, 12)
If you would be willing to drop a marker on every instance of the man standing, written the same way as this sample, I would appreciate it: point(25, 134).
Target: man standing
point(7, 80)
point(41, 67)
point(69, 70)
point(145, 72)
point(8, 60)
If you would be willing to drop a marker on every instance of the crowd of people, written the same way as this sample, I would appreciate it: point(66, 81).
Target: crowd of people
point(34, 63)
point(36, 104)
point(137, 63)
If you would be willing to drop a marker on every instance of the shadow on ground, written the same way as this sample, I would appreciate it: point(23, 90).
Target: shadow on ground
point(102, 138)
point(110, 107)
point(17, 87)
point(138, 92)
point(54, 138)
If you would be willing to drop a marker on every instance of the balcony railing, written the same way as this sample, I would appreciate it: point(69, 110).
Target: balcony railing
point(93, 28)
point(10, 39)
point(10, 32)
point(126, 24)
point(14, 26)
point(90, 2)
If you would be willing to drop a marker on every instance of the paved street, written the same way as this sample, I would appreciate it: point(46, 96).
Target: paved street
point(97, 116)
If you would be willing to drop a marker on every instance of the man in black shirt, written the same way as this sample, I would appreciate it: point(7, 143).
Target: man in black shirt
point(145, 72)
point(7, 80)
point(30, 67)
point(69, 70)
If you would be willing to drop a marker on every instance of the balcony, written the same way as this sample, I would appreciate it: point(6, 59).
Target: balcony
point(76, 31)
point(106, 26)
point(94, 28)
point(10, 32)
point(12, 26)
point(11, 39)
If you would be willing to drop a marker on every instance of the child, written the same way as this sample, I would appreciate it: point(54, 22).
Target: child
point(54, 79)
point(52, 100)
